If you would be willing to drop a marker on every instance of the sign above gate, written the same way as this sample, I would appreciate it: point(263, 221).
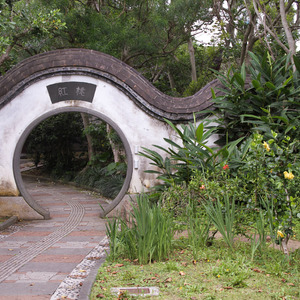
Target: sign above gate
point(63, 91)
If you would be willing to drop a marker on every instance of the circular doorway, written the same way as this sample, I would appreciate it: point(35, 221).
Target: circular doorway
point(17, 158)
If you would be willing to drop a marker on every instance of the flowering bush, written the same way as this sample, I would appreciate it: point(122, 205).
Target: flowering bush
point(261, 174)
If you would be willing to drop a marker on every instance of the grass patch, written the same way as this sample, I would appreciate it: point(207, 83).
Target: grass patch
point(219, 273)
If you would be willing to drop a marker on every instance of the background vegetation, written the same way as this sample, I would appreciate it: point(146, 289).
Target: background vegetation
point(248, 186)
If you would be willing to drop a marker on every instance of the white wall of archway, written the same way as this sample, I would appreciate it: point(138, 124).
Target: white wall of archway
point(139, 130)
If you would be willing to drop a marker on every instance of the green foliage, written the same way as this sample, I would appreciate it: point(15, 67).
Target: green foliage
point(27, 27)
point(219, 273)
point(101, 147)
point(223, 217)
point(112, 228)
point(55, 147)
point(267, 88)
point(64, 153)
point(146, 236)
point(108, 180)
point(190, 152)
point(198, 231)
point(258, 174)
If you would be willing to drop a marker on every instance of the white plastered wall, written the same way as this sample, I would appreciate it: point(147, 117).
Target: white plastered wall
point(139, 128)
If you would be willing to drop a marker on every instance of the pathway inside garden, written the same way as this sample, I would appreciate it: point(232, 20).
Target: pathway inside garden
point(51, 259)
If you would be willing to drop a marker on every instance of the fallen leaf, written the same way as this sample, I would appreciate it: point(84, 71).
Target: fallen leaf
point(118, 265)
point(182, 251)
point(100, 296)
point(101, 281)
point(82, 271)
point(268, 275)
point(228, 287)
point(10, 249)
point(221, 289)
point(260, 291)
point(168, 279)
point(290, 284)
point(283, 280)
point(194, 262)
point(114, 272)
point(184, 264)
point(181, 273)
point(257, 270)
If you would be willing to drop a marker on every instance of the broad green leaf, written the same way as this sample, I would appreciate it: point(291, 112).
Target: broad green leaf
point(270, 85)
point(213, 93)
point(256, 83)
point(199, 132)
point(243, 72)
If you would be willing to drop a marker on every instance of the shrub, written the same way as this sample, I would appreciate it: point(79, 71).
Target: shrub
point(266, 87)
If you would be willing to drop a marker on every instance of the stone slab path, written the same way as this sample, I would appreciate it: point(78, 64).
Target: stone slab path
point(51, 259)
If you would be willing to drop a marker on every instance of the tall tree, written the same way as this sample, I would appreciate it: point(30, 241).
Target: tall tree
point(26, 27)
point(274, 24)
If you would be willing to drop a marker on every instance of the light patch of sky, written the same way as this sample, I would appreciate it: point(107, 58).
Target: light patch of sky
point(208, 35)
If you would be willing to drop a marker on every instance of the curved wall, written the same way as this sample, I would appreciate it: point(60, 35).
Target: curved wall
point(122, 98)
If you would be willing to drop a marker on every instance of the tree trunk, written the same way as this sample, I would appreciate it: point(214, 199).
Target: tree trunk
point(5, 55)
point(86, 123)
point(114, 146)
point(288, 32)
point(171, 80)
point(192, 59)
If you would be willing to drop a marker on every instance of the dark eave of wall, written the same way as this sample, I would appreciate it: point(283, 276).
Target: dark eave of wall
point(97, 64)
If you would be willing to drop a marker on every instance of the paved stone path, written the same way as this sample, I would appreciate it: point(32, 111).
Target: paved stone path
point(50, 259)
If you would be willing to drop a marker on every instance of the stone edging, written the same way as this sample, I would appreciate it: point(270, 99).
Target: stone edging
point(86, 288)
point(12, 220)
point(78, 284)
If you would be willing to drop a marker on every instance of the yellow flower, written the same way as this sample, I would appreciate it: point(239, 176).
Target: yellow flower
point(288, 175)
point(280, 234)
point(266, 146)
point(218, 275)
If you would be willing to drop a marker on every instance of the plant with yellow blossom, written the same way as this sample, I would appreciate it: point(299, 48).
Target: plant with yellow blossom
point(266, 146)
point(288, 175)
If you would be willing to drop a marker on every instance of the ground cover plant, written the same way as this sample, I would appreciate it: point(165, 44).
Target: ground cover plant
point(218, 273)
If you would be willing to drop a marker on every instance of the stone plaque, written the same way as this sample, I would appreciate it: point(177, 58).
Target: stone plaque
point(71, 91)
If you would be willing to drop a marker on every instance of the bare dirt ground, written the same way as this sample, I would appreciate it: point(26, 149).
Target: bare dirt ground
point(292, 244)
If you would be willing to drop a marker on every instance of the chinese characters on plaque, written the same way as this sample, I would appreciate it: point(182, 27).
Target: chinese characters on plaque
point(71, 91)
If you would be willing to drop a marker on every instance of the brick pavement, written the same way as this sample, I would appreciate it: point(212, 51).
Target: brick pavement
point(36, 256)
